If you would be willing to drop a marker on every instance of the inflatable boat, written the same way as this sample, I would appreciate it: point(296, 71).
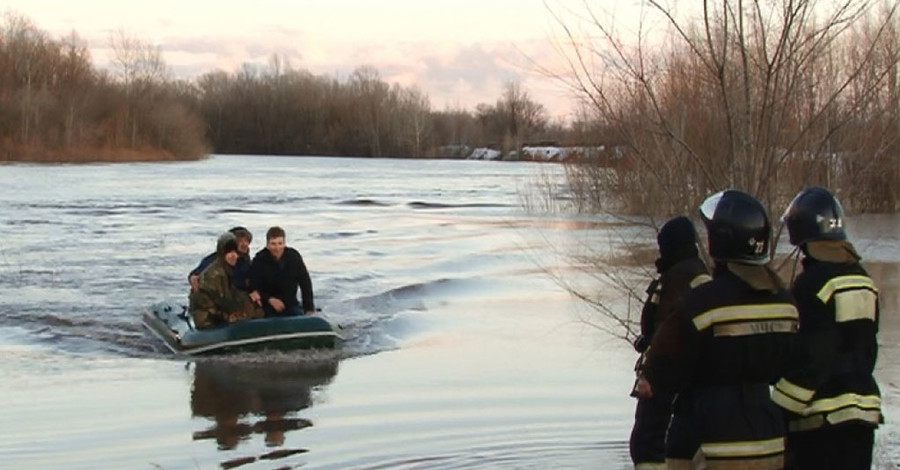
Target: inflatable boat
point(171, 323)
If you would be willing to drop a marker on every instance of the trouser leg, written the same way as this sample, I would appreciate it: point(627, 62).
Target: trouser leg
point(682, 443)
point(808, 450)
point(858, 440)
point(845, 447)
point(648, 437)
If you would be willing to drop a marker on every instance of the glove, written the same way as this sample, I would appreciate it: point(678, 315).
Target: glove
point(641, 343)
point(642, 388)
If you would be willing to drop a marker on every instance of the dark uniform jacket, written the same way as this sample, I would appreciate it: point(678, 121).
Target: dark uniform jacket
point(217, 301)
point(666, 292)
point(831, 380)
point(726, 343)
point(647, 442)
point(281, 278)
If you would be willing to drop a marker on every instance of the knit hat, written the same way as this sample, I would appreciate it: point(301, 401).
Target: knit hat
point(677, 241)
point(227, 242)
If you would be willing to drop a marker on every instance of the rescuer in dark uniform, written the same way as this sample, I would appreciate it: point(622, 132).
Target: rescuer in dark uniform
point(831, 395)
point(728, 340)
point(680, 269)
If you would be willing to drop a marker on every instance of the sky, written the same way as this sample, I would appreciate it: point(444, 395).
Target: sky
point(459, 52)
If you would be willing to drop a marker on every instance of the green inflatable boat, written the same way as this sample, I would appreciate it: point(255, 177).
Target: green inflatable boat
point(171, 323)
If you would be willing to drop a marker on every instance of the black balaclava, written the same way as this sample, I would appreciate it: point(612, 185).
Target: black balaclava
point(677, 241)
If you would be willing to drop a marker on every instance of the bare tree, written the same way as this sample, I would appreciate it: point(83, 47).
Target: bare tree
point(371, 96)
point(26, 45)
point(134, 60)
point(140, 68)
point(524, 116)
point(728, 95)
point(415, 120)
point(513, 120)
point(75, 84)
point(763, 96)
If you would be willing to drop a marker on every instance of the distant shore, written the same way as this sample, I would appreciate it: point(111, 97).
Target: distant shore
point(548, 154)
point(91, 155)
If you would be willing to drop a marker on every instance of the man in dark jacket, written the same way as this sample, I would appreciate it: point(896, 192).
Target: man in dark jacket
point(727, 341)
point(276, 273)
point(680, 270)
point(241, 269)
point(831, 396)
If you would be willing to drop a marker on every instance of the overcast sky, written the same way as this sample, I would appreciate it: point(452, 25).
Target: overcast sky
point(459, 52)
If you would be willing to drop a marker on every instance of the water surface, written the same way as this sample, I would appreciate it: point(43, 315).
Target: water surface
point(462, 352)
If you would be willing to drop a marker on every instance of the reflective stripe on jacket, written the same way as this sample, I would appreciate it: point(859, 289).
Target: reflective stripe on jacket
point(735, 340)
point(830, 380)
point(665, 293)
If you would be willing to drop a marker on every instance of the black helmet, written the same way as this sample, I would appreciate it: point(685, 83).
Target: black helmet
point(226, 242)
point(814, 214)
point(737, 227)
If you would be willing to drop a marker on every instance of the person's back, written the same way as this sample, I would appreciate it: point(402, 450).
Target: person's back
point(680, 269)
point(738, 339)
point(850, 330)
point(830, 392)
point(728, 341)
point(740, 327)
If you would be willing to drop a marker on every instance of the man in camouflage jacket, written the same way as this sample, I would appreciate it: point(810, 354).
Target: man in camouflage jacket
point(216, 301)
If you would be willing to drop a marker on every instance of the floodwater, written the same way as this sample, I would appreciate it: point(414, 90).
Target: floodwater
point(462, 352)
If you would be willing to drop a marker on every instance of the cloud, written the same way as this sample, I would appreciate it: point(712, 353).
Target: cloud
point(459, 62)
point(454, 75)
point(471, 75)
point(476, 73)
point(459, 52)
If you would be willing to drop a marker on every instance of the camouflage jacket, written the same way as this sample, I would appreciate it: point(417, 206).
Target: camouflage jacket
point(217, 301)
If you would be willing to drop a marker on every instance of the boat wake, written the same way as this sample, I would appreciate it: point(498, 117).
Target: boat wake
point(369, 323)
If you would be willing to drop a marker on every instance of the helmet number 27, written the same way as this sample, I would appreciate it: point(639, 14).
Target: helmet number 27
point(759, 246)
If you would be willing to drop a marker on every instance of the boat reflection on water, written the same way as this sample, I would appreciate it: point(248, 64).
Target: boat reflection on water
point(244, 398)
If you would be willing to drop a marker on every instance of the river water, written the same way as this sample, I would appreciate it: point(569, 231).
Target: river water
point(462, 351)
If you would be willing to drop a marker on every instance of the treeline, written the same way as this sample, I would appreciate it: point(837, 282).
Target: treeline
point(764, 96)
point(55, 106)
point(282, 111)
